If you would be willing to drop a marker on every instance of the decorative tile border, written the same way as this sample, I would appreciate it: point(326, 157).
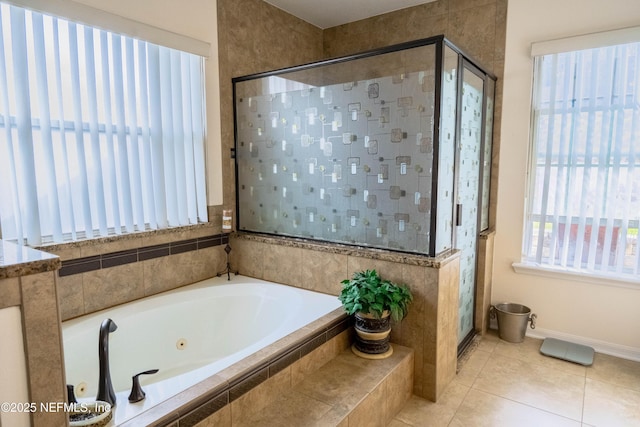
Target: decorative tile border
point(113, 259)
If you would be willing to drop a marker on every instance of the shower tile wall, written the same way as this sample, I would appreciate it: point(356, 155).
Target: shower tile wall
point(348, 162)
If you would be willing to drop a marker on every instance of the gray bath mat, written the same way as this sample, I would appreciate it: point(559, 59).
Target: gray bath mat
point(565, 350)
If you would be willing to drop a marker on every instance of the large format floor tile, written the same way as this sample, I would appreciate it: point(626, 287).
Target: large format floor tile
point(532, 384)
point(507, 384)
point(481, 409)
point(610, 405)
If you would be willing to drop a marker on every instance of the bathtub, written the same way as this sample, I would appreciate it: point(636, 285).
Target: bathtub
point(189, 334)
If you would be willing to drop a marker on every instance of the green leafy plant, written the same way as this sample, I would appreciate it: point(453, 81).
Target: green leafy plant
point(367, 292)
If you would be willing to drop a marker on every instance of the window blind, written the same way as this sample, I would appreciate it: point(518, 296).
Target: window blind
point(583, 210)
point(96, 18)
point(100, 133)
point(586, 41)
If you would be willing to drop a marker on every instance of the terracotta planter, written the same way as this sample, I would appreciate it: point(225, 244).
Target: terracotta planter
point(372, 336)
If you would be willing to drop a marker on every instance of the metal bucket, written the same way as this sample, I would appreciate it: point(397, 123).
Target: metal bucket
point(512, 320)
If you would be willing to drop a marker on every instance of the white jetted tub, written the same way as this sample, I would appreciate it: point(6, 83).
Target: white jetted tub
point(189, 334)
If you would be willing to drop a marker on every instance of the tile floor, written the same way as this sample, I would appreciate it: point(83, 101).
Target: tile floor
point(505, 384)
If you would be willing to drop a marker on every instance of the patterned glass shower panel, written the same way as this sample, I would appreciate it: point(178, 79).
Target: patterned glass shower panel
point(470, 146)
point(342, 152)
point(486, 156)
point(446, 151)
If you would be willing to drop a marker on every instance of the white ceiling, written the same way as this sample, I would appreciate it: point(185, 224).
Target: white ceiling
point(329, 13)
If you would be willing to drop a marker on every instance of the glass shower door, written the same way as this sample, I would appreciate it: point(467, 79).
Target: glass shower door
point(467, 197)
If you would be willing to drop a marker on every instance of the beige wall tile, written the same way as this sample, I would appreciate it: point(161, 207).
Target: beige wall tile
point(458, 5)
point(43, 345)
point(501, 31)
point(313, 361)
point(283, 264)
point(10, 292)
point(252, 402)
point(370, 412)
point(170, 272)
point(70, 296)
point(483, 282)
point(447, 339)
point(398, 387)
point(323, 271)
point(294, 409)
point(474, 30)
point(220, 418)
point(109, 287)
point(168, 236)
point(124, 243)
point(386, 269)
point(66, 253)
point(247, 257)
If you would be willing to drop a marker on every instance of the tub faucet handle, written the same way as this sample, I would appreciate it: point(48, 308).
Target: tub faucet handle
point(71, 395)
point(137, 394)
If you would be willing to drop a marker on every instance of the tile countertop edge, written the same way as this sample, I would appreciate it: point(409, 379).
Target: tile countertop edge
point(16, 260)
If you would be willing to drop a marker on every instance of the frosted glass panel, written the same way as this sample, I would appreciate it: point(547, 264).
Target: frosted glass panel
point(342, 152)
point(446, 150)
point(471, 118)
point(486, 155)
point(360, 150)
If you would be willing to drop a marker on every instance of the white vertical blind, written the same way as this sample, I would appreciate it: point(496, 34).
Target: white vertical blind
point(583, 212)
point(101, 134)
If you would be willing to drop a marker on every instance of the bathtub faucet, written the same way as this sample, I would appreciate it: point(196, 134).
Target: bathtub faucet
point(105, 388)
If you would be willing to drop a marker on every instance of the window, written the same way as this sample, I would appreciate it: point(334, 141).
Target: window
point(583, 209)
point(100, 133)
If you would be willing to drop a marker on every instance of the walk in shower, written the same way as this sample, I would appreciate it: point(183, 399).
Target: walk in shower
point(388, 149)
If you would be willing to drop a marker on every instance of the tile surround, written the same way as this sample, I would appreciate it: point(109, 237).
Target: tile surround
point(128, 256)
point(151, 263)
point(431, 326)
point(235, 387)
point(31, 285)
point(10, 292)
point(347, 391)
point(43, 343)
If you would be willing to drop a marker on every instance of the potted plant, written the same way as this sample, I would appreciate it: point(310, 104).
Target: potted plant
point(374, 302)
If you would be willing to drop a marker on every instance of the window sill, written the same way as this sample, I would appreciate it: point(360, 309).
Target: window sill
point(574, 275)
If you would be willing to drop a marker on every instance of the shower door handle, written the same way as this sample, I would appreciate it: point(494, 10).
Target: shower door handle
point(458, 214)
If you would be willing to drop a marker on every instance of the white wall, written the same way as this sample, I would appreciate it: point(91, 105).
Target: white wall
point(196, 19)
point(13, 369)
point(603, 316)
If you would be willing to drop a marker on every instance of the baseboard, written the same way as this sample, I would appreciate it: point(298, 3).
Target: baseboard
point(617, 350)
